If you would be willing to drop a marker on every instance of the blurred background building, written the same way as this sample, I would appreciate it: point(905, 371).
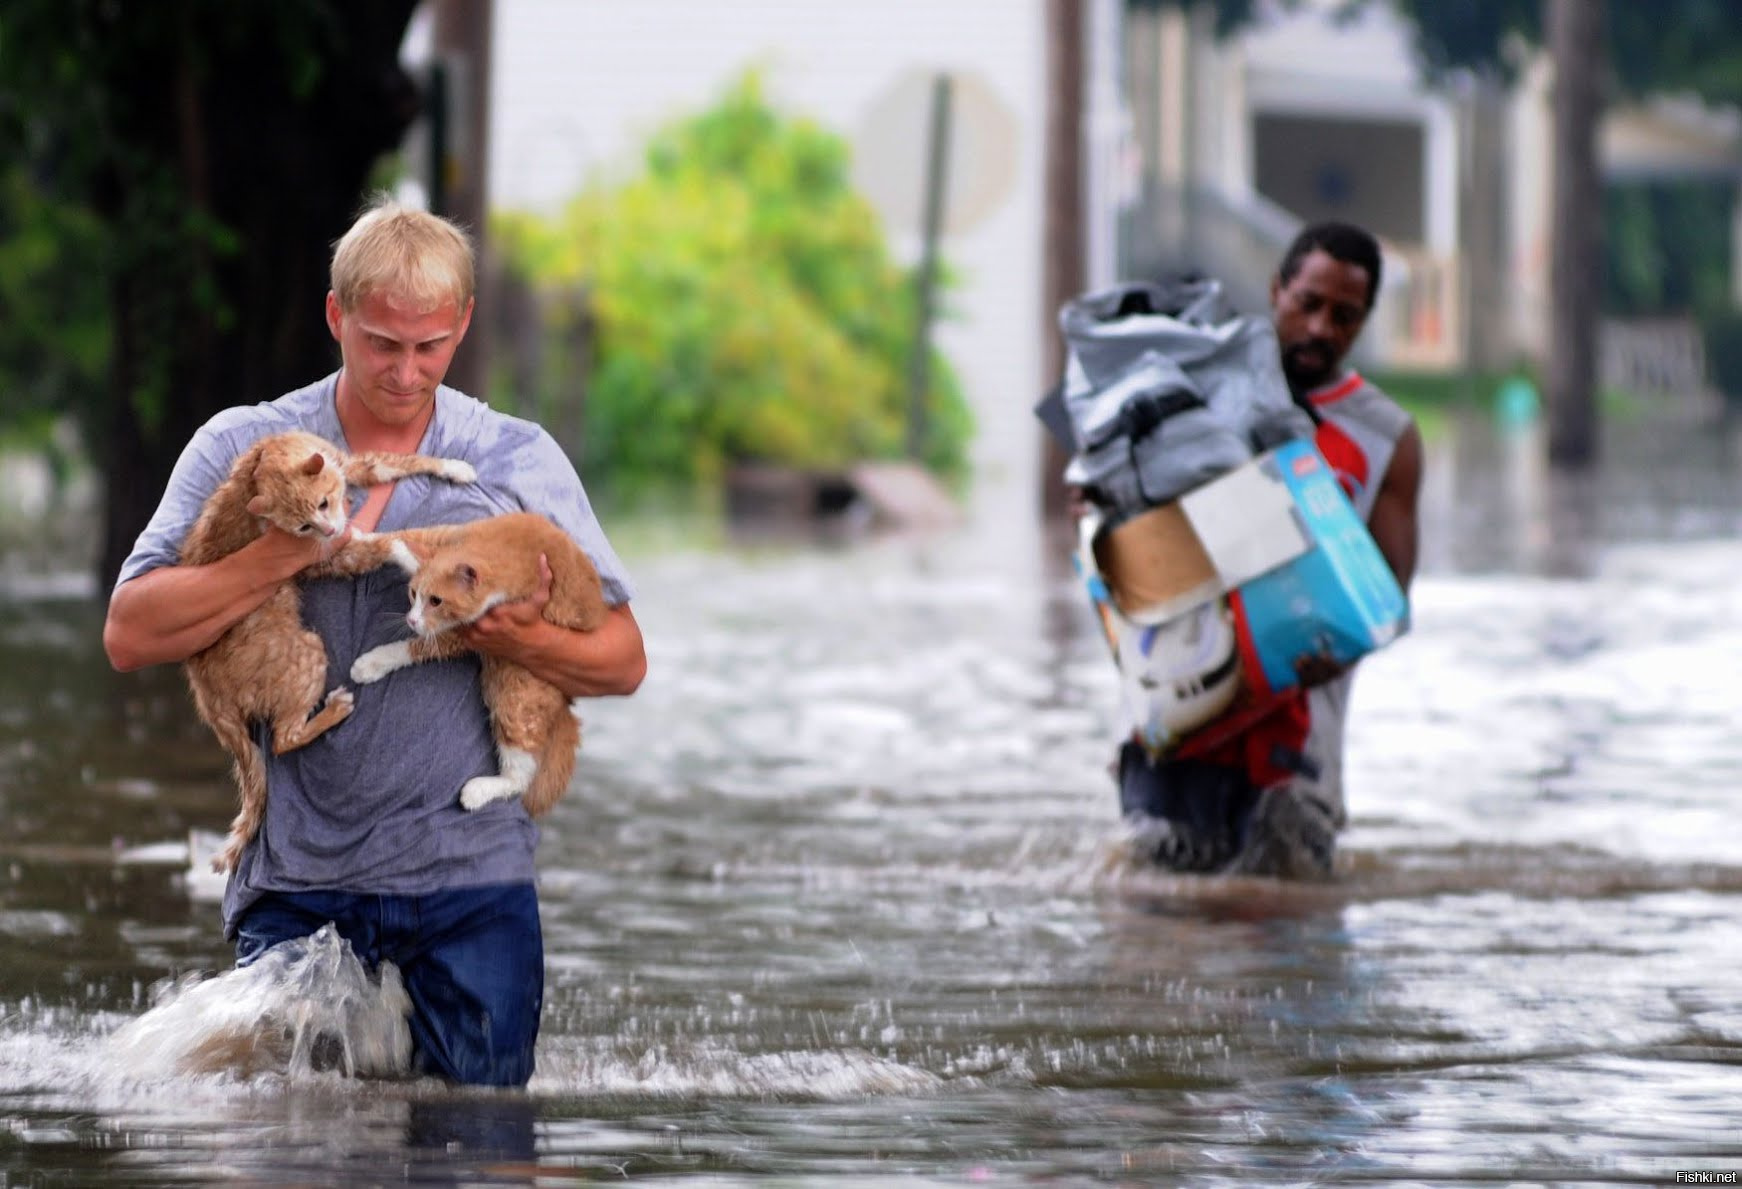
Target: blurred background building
point(1320, 111)
point(1193, 150)
point(1085, 141)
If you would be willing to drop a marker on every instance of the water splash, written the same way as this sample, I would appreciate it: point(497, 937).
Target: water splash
point(306, 1006)
point(609, 1067)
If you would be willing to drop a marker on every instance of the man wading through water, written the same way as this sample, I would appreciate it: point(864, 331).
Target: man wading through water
point(1270, 800)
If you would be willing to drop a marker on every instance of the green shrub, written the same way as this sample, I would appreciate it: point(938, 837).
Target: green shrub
point(744, 307)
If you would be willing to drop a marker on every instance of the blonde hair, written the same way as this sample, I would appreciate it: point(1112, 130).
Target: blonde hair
point(409, 254)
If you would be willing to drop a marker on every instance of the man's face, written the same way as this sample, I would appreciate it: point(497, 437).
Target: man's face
point(1318, 315)
point(394, 356)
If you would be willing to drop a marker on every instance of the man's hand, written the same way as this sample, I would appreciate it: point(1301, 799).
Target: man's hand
point(604, 661)
point(288, 554)
point(506, 628)
point(175, 611)
point(1317, 668)
point(1077, 502)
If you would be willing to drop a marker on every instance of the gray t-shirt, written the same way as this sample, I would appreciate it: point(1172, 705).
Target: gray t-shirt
point(373, 805)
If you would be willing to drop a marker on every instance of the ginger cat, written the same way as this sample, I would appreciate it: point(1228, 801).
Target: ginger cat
point(458, 572)
point(268, 666)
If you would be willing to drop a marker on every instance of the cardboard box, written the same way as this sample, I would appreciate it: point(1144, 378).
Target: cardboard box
point(1280, 544)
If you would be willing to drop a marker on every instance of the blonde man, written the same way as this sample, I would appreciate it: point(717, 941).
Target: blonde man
point(364, 826)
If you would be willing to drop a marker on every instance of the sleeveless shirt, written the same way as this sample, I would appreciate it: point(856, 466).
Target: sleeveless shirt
point(1359, 427)
point(1358, 431)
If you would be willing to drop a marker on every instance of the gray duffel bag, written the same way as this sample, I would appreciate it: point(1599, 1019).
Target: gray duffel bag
point(1167, 387)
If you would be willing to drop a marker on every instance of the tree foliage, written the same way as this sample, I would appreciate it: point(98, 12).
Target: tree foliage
point(1657, 46)
point(1669, 246)
point(174, 173)
point(745, 306)
point(54, 347)
point(1691, 47)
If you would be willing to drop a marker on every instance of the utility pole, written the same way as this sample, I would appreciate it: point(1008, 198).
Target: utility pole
point(1578, 44)
point(459, 163)
point(1063, 249)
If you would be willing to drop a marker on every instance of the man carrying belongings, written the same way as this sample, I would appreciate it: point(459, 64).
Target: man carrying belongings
point(1223, 470)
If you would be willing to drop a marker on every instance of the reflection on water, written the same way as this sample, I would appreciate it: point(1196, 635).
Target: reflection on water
point(840, 895)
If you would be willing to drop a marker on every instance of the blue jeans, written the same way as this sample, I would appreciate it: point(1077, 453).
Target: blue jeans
point(472, 961)
point(1196, 817)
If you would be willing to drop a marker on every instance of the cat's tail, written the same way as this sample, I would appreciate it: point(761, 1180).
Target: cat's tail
point(556, 764)
point(250, 772)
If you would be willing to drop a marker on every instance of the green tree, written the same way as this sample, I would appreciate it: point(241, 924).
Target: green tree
point(1669, 246)
point(54, 332)
point(1666, 46)
point(745, 306)
point(180, 170)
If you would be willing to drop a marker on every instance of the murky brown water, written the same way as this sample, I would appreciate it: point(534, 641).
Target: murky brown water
point(841, 896)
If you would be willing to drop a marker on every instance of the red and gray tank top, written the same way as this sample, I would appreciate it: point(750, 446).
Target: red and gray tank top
point(1358, 431)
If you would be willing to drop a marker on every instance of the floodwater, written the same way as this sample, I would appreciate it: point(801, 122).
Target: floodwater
point(841, 898)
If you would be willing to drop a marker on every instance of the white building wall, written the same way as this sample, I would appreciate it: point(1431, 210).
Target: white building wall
point(579, 84)
point(1310, 62)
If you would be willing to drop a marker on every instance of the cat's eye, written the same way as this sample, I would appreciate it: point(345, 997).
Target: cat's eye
point(435, 600)
point(307, 528)
point(324, 504)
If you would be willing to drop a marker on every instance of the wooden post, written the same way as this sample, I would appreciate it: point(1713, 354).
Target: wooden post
point(1063, 262)
point(1578, 45)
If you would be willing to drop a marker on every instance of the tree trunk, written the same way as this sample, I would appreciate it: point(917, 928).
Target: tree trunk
point(236, 161)
point(1579, 49)
point(1063, 249)
point(462, 42)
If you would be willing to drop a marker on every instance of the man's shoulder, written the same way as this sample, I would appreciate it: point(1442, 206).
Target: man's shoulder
point(239, 426)
point(1358, 398)
point(248, 421)
point(483, 432)
point(1370, 389)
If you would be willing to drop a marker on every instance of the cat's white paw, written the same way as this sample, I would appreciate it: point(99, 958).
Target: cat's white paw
point(455, 471)
point(379, 662)
point(481, 790)
point(342, 698)
point(400, 554)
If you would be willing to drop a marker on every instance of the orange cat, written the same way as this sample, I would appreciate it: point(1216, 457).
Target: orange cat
point(458, 572)
point(268, 666)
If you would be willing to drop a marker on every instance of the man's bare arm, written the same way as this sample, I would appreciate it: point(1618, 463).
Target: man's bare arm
point(172, 612)
point(609, 660)
point(1393, 522)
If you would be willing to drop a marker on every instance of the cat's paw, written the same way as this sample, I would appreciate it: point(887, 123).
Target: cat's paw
point(455, 471)
point(342, 701)
point(379, 662)
point(481, 790)
point(400, 554)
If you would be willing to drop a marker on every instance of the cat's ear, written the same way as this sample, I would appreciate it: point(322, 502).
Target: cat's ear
point(314, 463)
point(467, 575)
point(257, 506)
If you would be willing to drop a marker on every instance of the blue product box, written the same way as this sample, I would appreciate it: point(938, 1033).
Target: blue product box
point(1338, 599)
